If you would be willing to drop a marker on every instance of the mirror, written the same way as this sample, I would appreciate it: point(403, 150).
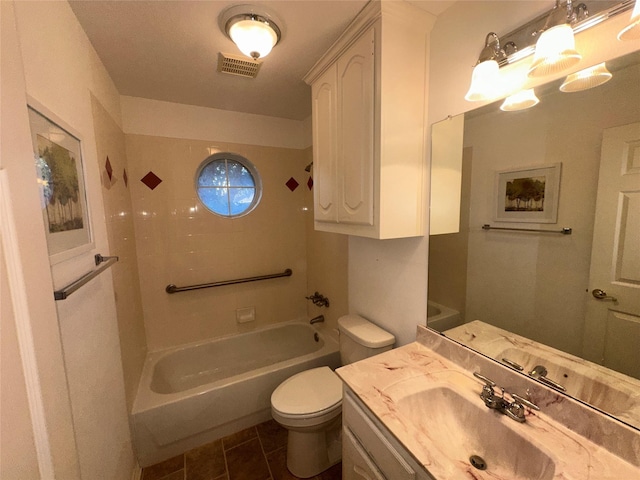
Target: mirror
point(525, 298)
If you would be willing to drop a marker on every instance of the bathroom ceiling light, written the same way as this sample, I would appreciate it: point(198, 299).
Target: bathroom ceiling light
point(252, 29)
point(520, 101)
point(586, 79)
point(632, 31)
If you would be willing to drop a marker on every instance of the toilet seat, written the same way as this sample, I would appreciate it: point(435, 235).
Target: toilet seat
point(311, 396)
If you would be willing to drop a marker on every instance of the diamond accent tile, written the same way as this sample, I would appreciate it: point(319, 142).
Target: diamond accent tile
point(125, 177)
point(109, 169)
point(292, 184)
point(310, 183)
point(151, 180)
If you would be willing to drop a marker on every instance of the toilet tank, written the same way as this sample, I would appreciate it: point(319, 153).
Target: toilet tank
point(359, 339)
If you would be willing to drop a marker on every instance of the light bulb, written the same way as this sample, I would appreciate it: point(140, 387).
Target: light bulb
point(587, 78)
point(520, 101)
point(632, 31)
point(485, 82)
point(555, 51)
point(254, 38)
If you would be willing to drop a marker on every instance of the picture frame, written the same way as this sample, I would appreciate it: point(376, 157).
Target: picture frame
point(528, 195)
point(61, 181)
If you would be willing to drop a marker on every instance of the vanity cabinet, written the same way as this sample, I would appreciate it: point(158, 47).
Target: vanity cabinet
point(369, 95)
point(369, 451)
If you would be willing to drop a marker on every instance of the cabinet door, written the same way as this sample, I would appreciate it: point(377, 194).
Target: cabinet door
point(325, 129)
point(356, 132)
point(356, 464)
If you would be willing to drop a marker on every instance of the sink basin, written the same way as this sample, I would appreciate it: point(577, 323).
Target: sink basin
point(464, 429)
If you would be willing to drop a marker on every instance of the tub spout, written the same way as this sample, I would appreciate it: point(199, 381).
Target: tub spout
point(319, 318)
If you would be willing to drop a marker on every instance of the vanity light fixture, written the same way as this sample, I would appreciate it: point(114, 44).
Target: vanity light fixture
point(485, 79)
point(586, 79)
point(520, 101)
point(632, 31)
point(556, 47)
point(254, 30)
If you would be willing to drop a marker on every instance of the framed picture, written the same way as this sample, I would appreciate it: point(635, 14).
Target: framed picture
point(60, 177)
point(528, 194)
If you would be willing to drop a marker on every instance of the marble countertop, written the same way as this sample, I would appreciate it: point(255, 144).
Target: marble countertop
point(385, 381)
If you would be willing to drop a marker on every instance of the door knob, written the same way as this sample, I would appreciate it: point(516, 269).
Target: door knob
point(602, 295)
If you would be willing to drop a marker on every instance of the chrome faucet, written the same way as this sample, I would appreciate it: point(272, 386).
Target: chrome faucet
point(513, 409)
point(319, 318)
point(539, 372)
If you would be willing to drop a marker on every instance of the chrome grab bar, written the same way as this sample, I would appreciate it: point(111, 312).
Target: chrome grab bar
point(171, 288)
point(105, 263)
point(564, 231)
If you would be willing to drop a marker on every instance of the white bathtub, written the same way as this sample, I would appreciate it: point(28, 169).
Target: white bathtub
point(442, 318)
point(195, 394)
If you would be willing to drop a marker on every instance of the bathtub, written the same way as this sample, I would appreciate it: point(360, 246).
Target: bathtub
point(192, 395)
point(442, 318)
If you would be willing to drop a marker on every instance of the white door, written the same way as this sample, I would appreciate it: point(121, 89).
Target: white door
point(613, 310)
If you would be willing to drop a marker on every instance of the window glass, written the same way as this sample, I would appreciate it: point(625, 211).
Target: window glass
point(228, 185)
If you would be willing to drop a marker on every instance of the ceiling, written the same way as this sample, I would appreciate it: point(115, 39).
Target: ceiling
point(168, 50)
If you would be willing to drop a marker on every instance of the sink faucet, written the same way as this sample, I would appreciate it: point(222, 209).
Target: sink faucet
point(539, 372)
point(319, 318)
point(513, 409)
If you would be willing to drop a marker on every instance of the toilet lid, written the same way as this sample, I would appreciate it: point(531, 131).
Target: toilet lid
point(308, 392)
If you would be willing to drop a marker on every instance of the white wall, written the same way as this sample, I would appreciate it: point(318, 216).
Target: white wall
point(60, 70)
point(53, 435)
point(142, 116)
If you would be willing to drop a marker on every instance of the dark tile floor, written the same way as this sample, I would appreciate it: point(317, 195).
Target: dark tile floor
point(257, 453)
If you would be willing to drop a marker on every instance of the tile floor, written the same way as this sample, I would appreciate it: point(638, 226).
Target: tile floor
point(257, 453)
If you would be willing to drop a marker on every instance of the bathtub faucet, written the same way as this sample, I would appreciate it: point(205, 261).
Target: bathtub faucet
point(319, 318)
point(318, 299)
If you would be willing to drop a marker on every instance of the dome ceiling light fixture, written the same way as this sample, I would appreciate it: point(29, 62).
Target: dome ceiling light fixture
point(253, 29)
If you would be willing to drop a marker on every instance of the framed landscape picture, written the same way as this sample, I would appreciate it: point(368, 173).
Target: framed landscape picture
point(528, 194)
point(60, 178)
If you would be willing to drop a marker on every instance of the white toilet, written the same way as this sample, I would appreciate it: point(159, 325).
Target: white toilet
point(309, 404)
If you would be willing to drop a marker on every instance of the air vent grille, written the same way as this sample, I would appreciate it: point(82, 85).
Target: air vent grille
point(238, 65)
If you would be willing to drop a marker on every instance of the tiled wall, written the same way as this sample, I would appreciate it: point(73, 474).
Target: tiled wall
point(118, 210)
point(327, 255)
point(180, 242)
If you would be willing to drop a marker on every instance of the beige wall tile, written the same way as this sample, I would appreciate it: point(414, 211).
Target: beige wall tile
point(179, 241)
point(120, 231)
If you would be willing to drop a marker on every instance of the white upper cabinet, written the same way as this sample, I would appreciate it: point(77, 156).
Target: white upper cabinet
point(369, 106)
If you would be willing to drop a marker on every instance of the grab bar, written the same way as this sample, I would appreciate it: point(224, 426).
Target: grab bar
point(171, 288)
point(106, 262)
point(564, 231)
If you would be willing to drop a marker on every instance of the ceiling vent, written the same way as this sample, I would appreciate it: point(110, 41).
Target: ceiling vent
point(238, 65)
